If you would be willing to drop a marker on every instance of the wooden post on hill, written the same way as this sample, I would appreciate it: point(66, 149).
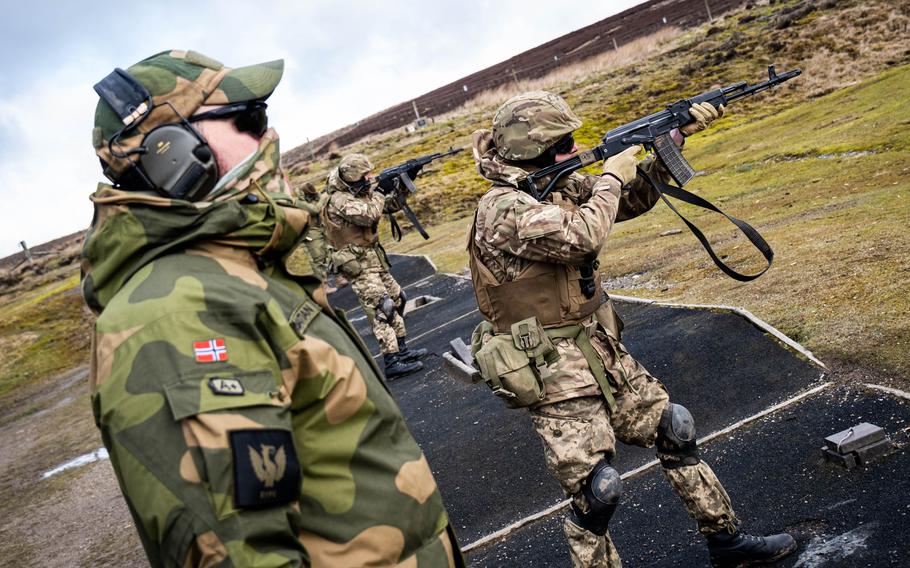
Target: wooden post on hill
point(310, 148)
point(28, 253)
point(615, 47)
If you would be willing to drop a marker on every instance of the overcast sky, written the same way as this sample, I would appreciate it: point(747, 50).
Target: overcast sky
point(343, 61)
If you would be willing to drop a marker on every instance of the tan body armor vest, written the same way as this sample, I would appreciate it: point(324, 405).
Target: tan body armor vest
point(549, 291)
point(342, 234)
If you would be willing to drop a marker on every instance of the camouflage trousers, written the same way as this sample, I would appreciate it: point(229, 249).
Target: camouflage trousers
point(577, 433)
point(370, 287)
point(314, 242)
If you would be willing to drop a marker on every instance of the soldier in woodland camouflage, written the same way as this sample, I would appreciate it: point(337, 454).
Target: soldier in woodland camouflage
point(551, 339)
point(351, 217)
point(312, 201)
point(245, 422)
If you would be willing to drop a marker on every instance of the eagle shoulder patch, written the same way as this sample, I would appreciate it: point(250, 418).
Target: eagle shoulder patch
point(266, 468)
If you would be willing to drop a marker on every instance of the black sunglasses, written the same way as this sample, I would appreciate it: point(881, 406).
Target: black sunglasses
point(565, 144)
point(248, 116)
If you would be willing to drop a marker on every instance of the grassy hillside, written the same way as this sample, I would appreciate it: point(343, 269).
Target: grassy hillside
point(819, 166)
point(648, 74)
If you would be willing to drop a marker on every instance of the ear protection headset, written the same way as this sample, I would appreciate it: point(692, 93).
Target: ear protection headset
point(174, 159)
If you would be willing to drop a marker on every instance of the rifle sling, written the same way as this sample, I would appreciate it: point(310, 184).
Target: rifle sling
point(396, 228)
point(754, 237)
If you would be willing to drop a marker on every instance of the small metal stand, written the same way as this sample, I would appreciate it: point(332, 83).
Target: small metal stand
point(856, 446)
point(460, 362)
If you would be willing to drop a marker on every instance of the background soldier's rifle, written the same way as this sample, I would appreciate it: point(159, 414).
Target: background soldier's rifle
point(653, 132)
point(398, 182)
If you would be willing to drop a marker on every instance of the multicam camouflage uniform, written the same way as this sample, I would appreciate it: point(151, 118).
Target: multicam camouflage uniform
point(514, 234)
point(351, 222)
point(246, 423)
point(312, 201)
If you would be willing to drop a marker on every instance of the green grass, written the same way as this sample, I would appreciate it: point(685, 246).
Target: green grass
point(43, 333)
point(824, 179)
point(840, 281)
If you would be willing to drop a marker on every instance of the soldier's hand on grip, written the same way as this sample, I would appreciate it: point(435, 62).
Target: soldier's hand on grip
point(704, 114)
point(622, 166)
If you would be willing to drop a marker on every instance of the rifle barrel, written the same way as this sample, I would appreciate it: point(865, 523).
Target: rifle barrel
point(771, 82)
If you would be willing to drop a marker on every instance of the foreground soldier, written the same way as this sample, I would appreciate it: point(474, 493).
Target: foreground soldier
point(551, 342)
point(312, 201)
point(351, 218)
point(245, 424)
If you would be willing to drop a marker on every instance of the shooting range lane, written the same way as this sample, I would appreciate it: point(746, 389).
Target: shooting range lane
point(774, 472)
point(489, 462)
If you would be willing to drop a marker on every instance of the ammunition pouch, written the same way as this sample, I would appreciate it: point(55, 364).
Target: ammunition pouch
point(347, 262)
point(514, 365)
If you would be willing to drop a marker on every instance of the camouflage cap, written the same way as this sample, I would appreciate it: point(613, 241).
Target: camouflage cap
point(353, 167)
point(531, 122)
point(187, 80)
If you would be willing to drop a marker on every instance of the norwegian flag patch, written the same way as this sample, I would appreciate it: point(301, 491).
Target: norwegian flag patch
point(210, 351)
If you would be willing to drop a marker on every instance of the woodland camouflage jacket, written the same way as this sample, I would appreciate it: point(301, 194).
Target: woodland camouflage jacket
point(245, 420)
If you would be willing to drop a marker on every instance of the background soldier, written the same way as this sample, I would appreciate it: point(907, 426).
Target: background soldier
point(231, 400)
point(533, 267)
point(351, 218)
point(312, 201)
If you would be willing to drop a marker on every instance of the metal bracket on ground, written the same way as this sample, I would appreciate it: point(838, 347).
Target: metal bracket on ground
point(857, 445)
point(460, 363)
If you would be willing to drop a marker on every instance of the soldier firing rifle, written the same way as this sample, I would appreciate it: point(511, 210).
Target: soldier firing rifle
point(398, 183)
point(654, 133)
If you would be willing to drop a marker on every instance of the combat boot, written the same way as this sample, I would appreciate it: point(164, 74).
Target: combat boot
point(396, 367)
point(740, 549)
point(409, 354)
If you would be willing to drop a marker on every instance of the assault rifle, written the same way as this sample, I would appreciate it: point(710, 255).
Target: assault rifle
point(398, 181)
point(653, 132)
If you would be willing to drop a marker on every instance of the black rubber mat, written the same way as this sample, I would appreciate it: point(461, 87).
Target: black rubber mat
point(775, 475)
point(487, 459)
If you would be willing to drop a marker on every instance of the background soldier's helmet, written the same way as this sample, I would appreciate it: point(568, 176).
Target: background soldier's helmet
point(531, 122)
point(353, 167)
point(187, 80)
point(308, 188)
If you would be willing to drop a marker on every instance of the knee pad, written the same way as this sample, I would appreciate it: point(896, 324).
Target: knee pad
point(600, 494)
point(385, 309)
point(402, 300)
point(676, 445)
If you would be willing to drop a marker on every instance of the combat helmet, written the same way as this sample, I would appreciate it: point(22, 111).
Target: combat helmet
point(353, 167)
point(178, 83)
point(529, 123)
